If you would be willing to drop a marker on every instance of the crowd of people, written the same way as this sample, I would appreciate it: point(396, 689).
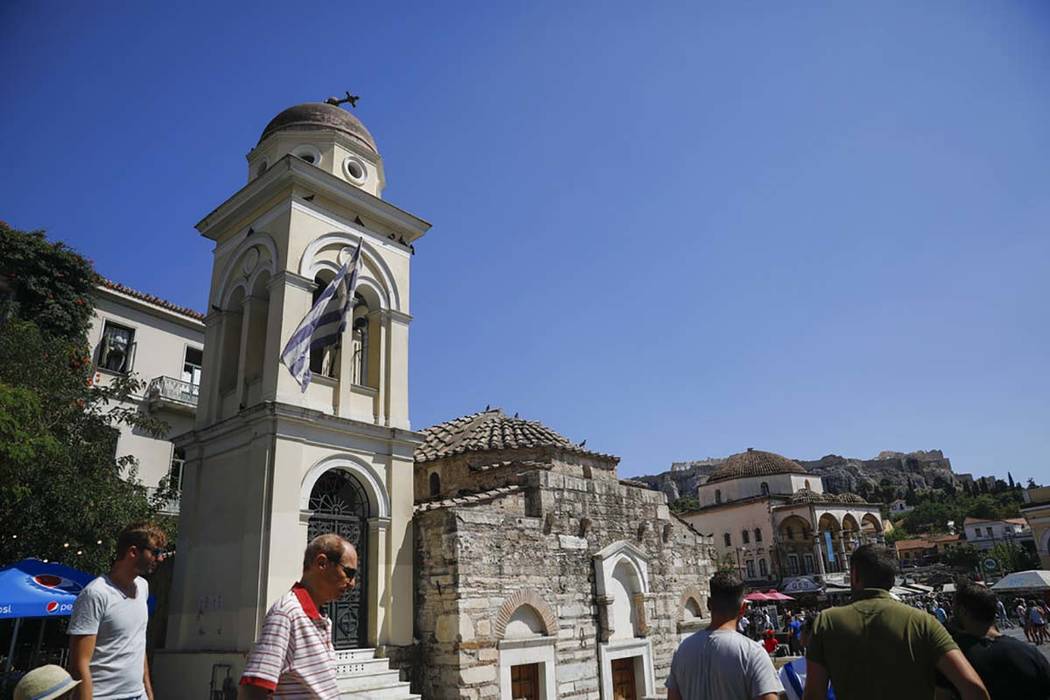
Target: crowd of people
point(874, 647)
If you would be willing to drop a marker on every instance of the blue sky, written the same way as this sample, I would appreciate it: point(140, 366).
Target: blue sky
point(676, 230)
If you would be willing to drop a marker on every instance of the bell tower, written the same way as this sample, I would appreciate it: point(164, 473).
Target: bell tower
point(268, 465)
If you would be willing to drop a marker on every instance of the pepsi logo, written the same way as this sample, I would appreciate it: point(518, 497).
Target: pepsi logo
point(47, 580)
point(53, 583)
point(52, 606)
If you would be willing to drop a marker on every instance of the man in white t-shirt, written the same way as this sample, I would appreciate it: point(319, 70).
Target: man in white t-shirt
point(107, 628)
point(717, 663)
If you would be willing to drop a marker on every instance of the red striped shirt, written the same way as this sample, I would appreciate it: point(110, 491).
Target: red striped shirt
point(293, 656)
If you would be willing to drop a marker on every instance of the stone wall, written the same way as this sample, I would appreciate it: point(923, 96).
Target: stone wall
point(538, 546)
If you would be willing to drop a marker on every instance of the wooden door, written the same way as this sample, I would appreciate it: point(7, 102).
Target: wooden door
point(525, 682)
point(623, 679)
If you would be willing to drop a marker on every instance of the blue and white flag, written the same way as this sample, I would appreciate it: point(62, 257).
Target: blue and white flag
point(324, 324)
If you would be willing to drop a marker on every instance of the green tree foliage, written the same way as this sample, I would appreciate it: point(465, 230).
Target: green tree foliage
point(1013, 557)
point(685, 504)
point(45, 282)
point(964, 556)
point(932, 512)
point(63, 489)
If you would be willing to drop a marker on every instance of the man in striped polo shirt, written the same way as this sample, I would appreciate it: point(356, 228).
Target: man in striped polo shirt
point(294, 657)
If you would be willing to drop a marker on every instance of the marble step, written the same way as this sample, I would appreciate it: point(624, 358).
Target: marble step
point(363, 676)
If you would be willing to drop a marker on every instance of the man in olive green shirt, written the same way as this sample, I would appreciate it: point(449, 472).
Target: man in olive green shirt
point(877, 647)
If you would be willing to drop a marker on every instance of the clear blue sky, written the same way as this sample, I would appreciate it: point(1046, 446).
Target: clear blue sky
point(673, 229)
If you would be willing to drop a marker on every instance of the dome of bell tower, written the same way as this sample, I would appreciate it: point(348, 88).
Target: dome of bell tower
point(320, 116)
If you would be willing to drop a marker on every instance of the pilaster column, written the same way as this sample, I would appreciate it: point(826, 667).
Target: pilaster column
point(208, 400)
point(379, 572)
point(382, 323)
point(820, 556)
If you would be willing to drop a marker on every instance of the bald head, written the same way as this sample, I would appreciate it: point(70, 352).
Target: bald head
point(331, 545)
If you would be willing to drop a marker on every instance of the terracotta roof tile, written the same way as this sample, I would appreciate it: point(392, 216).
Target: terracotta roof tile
point(754, 463)
point(150, 299)
point(470, 499)
point(492, 430)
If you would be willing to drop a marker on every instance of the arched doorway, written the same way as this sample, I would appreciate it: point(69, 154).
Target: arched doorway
point(339, 504)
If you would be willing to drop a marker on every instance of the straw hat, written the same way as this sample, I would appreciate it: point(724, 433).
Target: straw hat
point(44, 683)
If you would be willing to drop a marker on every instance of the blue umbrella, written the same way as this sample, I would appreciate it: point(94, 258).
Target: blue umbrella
point(33, 588)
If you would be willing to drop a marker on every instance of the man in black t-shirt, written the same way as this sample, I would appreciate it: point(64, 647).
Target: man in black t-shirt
point(1009, 667)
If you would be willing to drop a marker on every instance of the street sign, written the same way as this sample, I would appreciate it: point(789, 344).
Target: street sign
point(991, 564)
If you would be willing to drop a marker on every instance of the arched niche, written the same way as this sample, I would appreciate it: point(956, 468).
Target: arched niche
point(230, 345)
point(871, 524)
point(525, 612)
point(253, 256)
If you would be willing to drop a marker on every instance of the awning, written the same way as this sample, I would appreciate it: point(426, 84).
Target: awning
point(800, 584)
point(1034, 580)
point(756, 597)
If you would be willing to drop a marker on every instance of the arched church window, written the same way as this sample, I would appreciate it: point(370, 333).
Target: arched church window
point(765, 489)
point(744, 535)
point(718, 495)
point(435, 484)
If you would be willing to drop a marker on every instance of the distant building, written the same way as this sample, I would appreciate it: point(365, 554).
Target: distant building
point(771, 519)
point(985, 534)
point(925, 550)
point(900, 507)
point(163, 345)
point(1036, 511)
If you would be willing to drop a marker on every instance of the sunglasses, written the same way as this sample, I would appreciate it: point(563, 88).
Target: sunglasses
point(350, 571)
point(158, 551)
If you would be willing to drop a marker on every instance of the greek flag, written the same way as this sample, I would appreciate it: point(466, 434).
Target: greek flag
point(324, 324)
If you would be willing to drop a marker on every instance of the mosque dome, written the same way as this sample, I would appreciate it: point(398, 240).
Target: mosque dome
point(754, 463)
point(320, 116)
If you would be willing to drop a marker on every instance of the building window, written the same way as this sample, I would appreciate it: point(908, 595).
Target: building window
point(807, 483)
point(765, 489)
point(750, 564)
point(758, 534)
point(807, 562)
point(191, 367)
point(728, 540)
point(793, 564)
point(745, 536)
point(718, 495)
point(359, 338)
point(178, 460)
point(435, 484)
point(116, 352)
point(763, 568)
point(324, 361)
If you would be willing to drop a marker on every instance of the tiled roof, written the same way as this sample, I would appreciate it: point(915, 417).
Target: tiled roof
point(808, 496)
point(1012, 521)
point(754, 463)
point(472, 499)
point(150, 299)
point(492, 430)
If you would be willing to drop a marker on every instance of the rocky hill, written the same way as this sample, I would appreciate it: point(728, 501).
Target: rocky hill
point(888, 473)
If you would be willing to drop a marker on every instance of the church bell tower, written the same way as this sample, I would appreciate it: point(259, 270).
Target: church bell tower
point(269, 465)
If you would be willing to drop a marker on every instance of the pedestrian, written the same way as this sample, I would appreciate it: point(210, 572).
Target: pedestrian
point(769, 642)
point(1002, 620)
point(107, 627)
point(939, 612)
point(1037, 621)
point(794, 634)
point(877, 647)
point(46, 683)
point(1021, 610)
point(718, 664)
point(1009, 667)
point(742, 624)
point(793, 674)
point(294, 656)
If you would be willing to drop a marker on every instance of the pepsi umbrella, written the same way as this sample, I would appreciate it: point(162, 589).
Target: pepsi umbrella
point(32, 588)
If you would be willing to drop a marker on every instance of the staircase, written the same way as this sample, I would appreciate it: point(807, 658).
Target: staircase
point(364, 677)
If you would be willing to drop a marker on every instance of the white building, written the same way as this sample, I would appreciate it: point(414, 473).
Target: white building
point(772, 519)
point(162, 345)
point(899, 507)
point(985, 534)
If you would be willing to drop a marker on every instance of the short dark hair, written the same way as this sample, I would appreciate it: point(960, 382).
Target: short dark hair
point(979, 602)
point(727, 593)
point(875, 565)
point(141, 535)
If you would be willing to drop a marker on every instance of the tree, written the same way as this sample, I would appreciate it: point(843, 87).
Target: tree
point(964, 556)
point(1012, 557)
point(685, 504)
point(64, 493)
point(1010, 479)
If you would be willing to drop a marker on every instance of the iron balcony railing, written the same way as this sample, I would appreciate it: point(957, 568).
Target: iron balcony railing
point(171, 389)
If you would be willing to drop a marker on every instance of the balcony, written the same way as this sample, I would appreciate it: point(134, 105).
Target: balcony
point(172, 394)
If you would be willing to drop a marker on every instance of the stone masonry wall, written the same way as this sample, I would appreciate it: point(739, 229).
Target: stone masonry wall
point(471, 559)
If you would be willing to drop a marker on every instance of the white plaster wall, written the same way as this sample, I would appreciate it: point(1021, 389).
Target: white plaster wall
point(737, 489)
point(734, 519)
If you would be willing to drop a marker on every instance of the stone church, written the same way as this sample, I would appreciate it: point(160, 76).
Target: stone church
point(497, 558)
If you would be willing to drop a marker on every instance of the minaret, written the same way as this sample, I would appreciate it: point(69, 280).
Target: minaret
point(268, 465)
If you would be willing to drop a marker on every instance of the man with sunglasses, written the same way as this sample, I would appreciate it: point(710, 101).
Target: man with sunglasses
point(107, 628)
point(294, 656)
